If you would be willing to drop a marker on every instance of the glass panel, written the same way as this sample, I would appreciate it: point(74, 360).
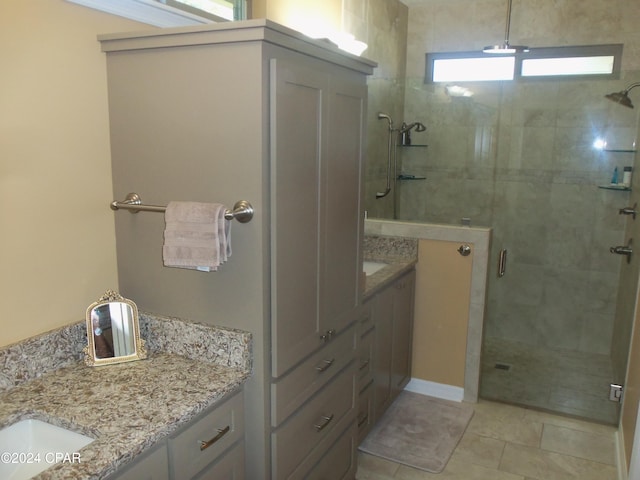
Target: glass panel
point(537, 67)
point(473, 69)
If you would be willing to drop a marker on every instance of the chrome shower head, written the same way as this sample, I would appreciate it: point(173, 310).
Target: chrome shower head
point(623, 97)
point(620, 97)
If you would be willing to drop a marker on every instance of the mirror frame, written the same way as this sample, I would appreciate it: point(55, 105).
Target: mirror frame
point(140, 351)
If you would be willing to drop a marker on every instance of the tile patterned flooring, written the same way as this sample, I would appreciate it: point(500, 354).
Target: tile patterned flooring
point(504, 442)
point(562, 381)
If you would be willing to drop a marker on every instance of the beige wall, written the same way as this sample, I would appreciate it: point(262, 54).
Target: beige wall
point(302, 15)
point(57, 248)
point(441, 318)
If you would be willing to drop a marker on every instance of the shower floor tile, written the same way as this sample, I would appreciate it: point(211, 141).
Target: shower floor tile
point(561, 381)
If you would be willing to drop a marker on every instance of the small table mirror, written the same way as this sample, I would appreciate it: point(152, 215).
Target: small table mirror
point(113, 331)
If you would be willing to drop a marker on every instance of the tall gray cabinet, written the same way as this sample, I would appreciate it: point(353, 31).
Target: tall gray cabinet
point(253, 111)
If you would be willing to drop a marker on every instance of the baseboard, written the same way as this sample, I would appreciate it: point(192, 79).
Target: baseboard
point(433, 389)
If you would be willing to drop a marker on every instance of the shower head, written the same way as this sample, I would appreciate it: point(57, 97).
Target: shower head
point(623, 97)
point(417, 125)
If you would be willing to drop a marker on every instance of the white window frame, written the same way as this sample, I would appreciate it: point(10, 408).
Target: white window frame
point(613, 50)
point(151, 12)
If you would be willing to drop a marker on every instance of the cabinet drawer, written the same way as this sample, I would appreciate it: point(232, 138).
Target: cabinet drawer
point(340, 460)
point(316, 420)
point(296, 387)
point(151, 466)
point(221, 428)
point(229, 467)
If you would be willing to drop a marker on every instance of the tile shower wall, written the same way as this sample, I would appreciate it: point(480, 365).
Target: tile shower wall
point(382, 24)
point(519, 157)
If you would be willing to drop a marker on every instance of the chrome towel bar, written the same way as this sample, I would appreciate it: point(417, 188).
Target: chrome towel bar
point(242, 210)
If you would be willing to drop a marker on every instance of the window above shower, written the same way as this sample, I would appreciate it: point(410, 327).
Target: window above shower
point(591, 61)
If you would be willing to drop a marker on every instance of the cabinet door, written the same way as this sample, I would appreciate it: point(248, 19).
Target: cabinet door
point(317, 124)
point(402, 332)
point(229, 467)
point(341, 208)
point(152, 466)
point(383, 319)
point(296, 125)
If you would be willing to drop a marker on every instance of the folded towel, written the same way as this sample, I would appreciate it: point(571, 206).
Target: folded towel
point(196, 236)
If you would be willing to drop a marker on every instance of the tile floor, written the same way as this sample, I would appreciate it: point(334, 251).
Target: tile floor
point(563, 381)
point(504, 442)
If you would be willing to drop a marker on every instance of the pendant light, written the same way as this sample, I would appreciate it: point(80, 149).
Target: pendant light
point(506, 48)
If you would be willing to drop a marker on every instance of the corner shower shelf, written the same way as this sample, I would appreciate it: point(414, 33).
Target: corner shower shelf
point(620, 188)
point(407, 176)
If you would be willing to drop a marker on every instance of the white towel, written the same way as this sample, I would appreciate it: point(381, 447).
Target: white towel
point(196, 236)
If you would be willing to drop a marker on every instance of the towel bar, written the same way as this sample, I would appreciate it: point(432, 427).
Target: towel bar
point(242, 210)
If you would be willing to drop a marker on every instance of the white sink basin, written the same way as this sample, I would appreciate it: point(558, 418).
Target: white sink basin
point(369, 268)
point(31, 446)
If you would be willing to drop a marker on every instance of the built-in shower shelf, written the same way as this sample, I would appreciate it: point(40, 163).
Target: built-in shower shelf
point(408, 176)
point(620, 188)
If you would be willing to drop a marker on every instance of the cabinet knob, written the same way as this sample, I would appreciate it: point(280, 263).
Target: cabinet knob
point(464, 250)
point(328, 335)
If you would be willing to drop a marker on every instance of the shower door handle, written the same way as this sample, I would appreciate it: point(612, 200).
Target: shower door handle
point(502, 262)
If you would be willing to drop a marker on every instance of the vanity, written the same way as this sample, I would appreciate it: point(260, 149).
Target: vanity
point(176, 414)
point(385, 326)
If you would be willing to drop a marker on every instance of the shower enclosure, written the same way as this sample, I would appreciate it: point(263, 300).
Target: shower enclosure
point(532, 160)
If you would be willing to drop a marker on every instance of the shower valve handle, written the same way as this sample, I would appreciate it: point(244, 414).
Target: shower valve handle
point(623, 250)
point(629, 211)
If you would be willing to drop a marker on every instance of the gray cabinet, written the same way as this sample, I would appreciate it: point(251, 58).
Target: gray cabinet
point(403, 300)
point(255, 111)
point(383, 319)
point(209, 447)
point(151, 466)
point(315, 176)
point(385, 340)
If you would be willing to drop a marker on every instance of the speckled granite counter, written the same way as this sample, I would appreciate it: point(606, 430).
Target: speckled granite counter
point(401, 255)
point(126, 407)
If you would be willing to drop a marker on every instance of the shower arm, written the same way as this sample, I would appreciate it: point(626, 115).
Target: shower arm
point(631, 87)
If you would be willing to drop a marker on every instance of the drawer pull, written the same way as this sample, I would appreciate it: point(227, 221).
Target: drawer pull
point(221, 433)
point(325, 421)
point(325, 364)
point(364, 364)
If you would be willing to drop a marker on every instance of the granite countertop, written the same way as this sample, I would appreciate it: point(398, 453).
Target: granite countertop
point(126, 407)
point(400, 254)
